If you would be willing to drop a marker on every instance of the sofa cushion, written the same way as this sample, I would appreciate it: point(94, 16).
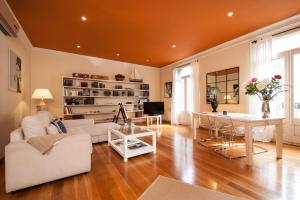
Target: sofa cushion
point(77, 130)
point(33, 126)
point(102, 128)
point(45, 117)
point(51, 129)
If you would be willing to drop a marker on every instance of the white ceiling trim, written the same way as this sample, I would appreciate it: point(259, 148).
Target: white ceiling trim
point(272, 29)
point(81, 56)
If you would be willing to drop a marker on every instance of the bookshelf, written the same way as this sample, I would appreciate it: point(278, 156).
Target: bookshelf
point(99, 99)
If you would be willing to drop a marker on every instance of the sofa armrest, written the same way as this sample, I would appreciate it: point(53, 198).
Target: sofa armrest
point(16, 135)
point(78, 122)
point(25, 166)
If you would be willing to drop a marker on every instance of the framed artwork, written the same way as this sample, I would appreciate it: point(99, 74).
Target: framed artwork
point(14, 72)
point(168, 90)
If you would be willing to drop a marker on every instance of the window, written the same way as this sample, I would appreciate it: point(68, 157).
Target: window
point(296, 62)
point(185, 82)
point(278, 105)
point(286, 42)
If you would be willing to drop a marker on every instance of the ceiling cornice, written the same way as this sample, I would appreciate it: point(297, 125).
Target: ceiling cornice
point(265, 31)
point(91, 58)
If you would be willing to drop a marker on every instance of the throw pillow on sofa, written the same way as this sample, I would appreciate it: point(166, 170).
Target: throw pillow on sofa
point(59, 125)
point(32, 126)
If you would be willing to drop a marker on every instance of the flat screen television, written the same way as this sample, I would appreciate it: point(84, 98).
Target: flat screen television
point(154, 108)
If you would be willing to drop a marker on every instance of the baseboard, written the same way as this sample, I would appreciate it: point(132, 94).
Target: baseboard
point(166, 122)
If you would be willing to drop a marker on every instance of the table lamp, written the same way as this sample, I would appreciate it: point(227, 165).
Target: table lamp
point(227, 98)
point(41, 94)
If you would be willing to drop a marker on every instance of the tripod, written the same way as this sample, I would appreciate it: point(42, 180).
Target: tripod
point(123, 112)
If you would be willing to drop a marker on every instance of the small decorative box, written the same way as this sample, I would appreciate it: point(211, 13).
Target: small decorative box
point(78, 75)
point(101, 77)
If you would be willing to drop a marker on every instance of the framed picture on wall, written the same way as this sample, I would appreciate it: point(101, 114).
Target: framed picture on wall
point(168, 90)
point(14, 72)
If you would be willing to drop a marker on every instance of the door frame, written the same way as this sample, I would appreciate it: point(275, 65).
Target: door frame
point(289, 122)
point(294, 121)
point(287, 135)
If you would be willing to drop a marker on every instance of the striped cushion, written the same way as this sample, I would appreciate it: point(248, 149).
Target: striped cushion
point(59, 125)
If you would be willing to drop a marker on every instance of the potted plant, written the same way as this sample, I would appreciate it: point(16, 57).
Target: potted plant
point(213, 93)
point(266, 90)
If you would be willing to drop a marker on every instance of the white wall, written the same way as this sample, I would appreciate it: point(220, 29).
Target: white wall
point(13, 106)
point(48, 67)
point(230, 57)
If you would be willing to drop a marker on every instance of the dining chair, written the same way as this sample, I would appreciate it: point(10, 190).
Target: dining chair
point(230, 131)
point(205, 123)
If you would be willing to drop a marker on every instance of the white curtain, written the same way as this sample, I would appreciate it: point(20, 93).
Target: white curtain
point(195, 98)
point(176, 100)
point(179, 113)
point(261, 67)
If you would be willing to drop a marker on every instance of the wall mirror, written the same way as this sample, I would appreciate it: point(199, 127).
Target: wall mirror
point(226, 83)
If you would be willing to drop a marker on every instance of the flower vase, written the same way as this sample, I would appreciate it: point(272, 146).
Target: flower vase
point(265, 109)
point(214, 105)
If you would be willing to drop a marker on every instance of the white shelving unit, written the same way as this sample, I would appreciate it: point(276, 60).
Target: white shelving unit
point(91, 102)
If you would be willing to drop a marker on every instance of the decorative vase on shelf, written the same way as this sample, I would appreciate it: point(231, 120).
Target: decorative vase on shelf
point(214, 105)
point(265, 109)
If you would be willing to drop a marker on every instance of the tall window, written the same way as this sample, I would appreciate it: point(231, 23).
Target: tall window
point(278, 105)
point(296, 84)
point(185, 76)
point(184, 98)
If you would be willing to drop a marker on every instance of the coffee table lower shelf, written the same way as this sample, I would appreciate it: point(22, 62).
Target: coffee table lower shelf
point(118, 144)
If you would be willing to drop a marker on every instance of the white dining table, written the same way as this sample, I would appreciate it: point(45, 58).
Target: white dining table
point(248, 121)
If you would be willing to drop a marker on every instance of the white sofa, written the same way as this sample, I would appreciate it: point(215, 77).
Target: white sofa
point(25, 166)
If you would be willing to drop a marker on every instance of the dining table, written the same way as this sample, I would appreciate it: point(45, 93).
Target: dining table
point(249, 121)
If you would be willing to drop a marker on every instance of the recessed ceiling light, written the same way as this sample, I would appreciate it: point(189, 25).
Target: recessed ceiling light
point(78, 46)
point(147, 60)
point(118, 54)
point(230, 14)
point(173, 46)
point(83, 18)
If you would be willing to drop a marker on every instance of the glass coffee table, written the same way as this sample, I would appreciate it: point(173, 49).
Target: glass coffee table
point(127, 143)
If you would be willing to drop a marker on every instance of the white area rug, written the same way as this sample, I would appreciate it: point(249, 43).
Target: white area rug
point(164, 188)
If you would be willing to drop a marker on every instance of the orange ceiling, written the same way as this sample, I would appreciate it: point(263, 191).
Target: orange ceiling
point(143, 31)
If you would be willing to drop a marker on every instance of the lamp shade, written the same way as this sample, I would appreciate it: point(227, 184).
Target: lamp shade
point(41, 94)
point(228, 97)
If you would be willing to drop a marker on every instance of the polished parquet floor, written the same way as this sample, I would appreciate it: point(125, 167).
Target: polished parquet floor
point(180, 157)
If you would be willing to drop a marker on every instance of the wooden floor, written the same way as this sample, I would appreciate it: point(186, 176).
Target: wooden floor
point(180, 157)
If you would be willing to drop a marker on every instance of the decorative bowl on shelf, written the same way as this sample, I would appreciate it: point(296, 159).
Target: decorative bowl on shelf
point(119, 77)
